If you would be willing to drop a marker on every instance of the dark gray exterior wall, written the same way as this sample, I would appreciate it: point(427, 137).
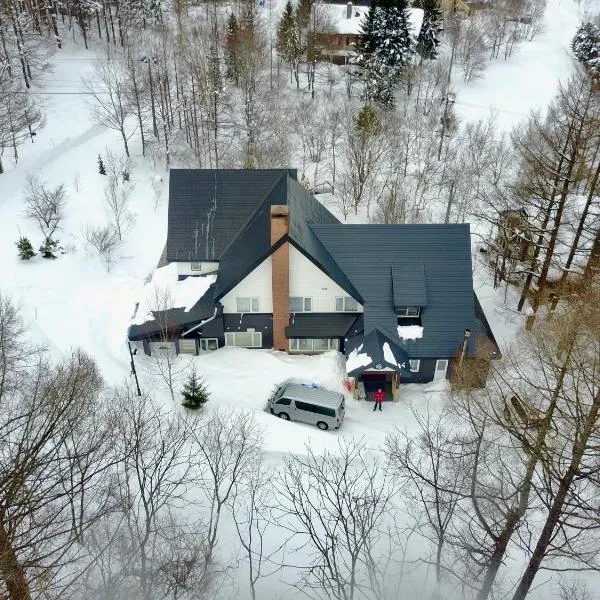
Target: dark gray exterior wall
point(425, 374)
point(262, 322)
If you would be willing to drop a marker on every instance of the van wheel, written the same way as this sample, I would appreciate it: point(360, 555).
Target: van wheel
point(284, 416)
point(322, 426)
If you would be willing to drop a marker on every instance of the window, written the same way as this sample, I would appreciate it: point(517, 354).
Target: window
point(187, 346)
point(415, 365)
point(244, 339)
point(313, 408)
point(313, 345)
point(209, 344)
point(408, 311)
point(196, 266)
point(300, 304)
point(346, 304)
point(284, 401)
point(246, 305)
point(441, 365)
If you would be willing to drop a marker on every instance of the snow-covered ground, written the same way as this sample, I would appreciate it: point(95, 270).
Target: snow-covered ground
point(74, 301)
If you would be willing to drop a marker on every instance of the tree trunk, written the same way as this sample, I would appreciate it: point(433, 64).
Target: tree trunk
point(556, 510)
point(10, 569)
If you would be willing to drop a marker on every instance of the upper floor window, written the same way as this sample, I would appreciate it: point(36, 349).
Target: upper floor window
point(196, 266)
point(300, 304)
point(247, 305)
point(408, 311)
point(346, 304)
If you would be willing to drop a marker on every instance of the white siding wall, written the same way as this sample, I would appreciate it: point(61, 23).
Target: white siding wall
point(256, 285)
point(185, 268)
point(308, 280)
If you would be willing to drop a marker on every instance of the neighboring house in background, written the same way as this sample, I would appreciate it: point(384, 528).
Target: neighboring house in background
point(277, 270)
point(341, 25)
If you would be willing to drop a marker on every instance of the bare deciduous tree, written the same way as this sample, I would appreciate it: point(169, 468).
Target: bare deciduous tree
point(44, 205)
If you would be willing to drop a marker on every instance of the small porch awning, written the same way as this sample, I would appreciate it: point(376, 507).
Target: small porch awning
point(324, 325)
point(375, 351)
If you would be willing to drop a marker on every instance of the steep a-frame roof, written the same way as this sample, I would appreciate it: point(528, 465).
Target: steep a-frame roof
point(207, 208)
point(372, 257)
point(253, 241)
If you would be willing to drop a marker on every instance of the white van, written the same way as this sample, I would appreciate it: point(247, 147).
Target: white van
point(308, 404)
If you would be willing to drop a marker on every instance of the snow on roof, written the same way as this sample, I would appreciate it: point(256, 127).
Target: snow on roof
point(388, 355)
point(357, 359)
point(335, 16)
point(164, 291)
point(410, 332)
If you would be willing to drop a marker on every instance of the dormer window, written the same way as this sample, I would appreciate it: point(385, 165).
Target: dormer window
point(408, 312)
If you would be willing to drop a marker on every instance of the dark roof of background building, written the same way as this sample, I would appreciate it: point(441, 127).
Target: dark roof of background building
point(207, 208)
point(369, 254)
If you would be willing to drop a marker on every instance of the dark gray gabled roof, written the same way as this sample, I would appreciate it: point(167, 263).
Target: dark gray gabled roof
point(368, 254)
point(372, 344)
point(253, 242)
point(176, 318)
point(208, 207)
point(409, 284)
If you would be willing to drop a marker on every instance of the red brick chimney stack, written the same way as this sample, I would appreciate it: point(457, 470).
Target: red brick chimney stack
point(280, 276)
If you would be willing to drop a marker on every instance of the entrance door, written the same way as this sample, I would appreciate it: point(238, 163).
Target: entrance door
point(441, 366)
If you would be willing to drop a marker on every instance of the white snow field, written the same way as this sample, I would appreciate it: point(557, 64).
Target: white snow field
point(75, 301)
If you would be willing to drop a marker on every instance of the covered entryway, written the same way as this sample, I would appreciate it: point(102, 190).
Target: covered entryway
point(374, 381)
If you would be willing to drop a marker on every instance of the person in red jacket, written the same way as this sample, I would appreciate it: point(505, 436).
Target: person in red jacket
point(378, 396)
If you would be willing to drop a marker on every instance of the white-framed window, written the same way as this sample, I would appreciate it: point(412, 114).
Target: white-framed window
point(346, 304)
point(187, 346)
point(300, 304)
point(415, 365)
point(313, 344)
point(196, 266)
point(209, 343)
point(244, 339)
point(247, 305)
point(408, 311)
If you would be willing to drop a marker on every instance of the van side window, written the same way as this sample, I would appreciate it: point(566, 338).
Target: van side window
point(320, 410)
point(284, 401)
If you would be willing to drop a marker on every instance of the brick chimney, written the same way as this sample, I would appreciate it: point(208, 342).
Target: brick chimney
point(348, 10)
point(280, 276)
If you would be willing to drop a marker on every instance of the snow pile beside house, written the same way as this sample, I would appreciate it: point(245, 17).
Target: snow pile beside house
point(410, 332)
point(164, 291)
point(357, 359)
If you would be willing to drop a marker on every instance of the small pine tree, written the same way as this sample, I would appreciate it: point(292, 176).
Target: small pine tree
point(195, 395)
point(125, 174)
point(367, 121)
point(101, 168)
point(428, 42)
point(25, 248)
point(48, 248)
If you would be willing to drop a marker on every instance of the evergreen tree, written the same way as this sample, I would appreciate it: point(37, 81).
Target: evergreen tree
point(25, 248)
point(289, 45)
point(195, 395)
point(101, 168)
point(232, 58)
point(586, 46)
point(428, 42)
point(367, 121)
point(385, 47)
point(48, 248)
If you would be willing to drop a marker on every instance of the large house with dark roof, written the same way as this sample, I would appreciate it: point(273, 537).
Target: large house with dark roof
point(284, 273)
